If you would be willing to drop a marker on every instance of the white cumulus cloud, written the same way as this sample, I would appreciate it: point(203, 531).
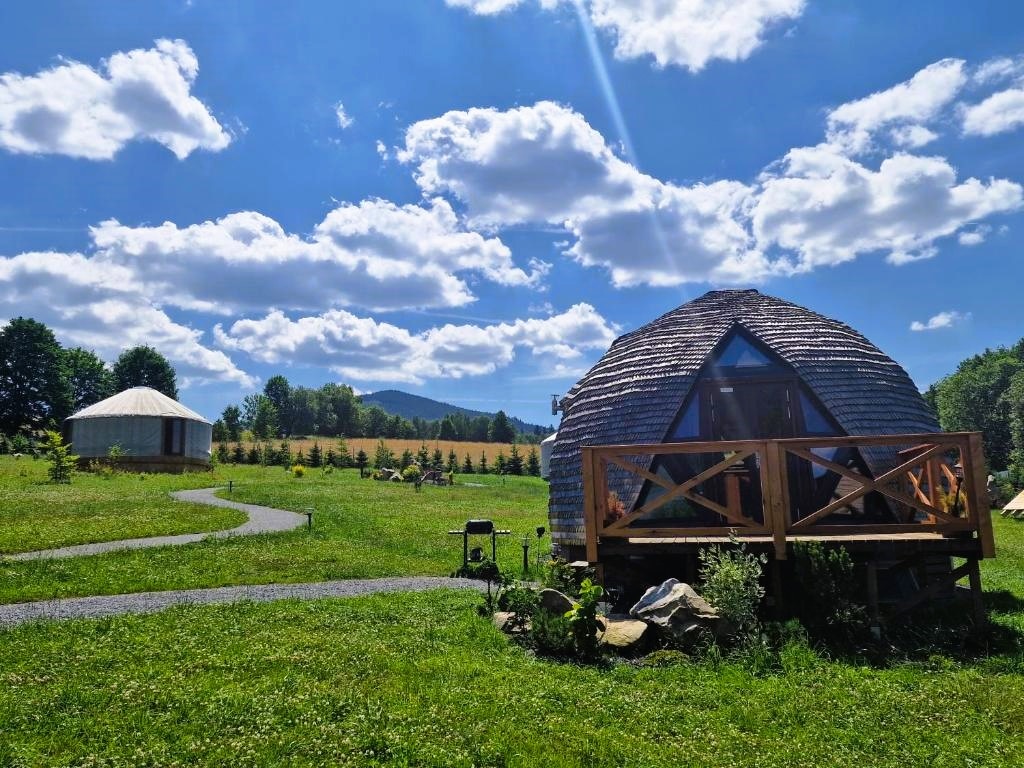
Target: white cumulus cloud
point(373, 254)
point(687, 34)
point(365, 349)
point(104, 308)
point(905, 108)
point(345, 120)
point(77, 110)
point(941, 320)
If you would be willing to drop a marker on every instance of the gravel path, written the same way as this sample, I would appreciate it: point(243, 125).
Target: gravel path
point(151, 602)
point(261, 520)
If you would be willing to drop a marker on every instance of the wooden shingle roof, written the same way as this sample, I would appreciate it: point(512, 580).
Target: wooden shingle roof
point(633, 392)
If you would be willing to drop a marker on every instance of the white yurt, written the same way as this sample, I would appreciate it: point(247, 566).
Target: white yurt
point(153, 432)
point(546, 446)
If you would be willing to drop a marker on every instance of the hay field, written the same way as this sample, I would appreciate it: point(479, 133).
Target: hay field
point(369, 444)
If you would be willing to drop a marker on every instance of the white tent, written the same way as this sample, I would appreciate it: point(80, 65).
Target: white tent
point(153, 432)
point(546, 446)
point(1016, 507)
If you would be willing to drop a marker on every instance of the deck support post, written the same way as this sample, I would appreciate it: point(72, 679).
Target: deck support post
point(974, 576)
point(873, 613)
point(780, 602)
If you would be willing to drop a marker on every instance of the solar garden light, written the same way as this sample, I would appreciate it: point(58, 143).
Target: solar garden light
point(231, 486)
point(540, 535)
point(309, 518)
point(526, 553)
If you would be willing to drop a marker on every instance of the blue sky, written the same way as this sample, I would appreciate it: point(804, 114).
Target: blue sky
point(469, 199)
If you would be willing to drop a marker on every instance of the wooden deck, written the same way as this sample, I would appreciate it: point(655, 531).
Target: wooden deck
point(934, 499)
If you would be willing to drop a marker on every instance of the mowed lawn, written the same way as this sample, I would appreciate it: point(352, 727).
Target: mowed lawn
point(361, 529)
point(422, 680)
point(35, 514)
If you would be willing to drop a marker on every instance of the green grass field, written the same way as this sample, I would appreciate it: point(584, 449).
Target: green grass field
point(421, 680)
point(35, 514)
point(362, 529)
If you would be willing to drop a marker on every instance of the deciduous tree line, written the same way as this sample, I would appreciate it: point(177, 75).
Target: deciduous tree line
point(986, 394)
point(334, 410)
point(42, 383)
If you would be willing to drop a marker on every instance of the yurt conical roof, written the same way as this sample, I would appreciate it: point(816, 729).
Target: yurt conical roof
point(636, 389)
point(139, 401)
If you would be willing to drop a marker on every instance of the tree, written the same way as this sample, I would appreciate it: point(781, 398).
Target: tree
point(143, 366)
point(515, 461)
point(447, 430)
point(232, 419)
point(279, 392)
point(238, 454)
point(437, 460)
point(453, 462)
point(219, 434)
point(34, 390)
point(467, 466)
point(533, 463)
point(972, 399)
point(222, 453)
point(361, 461)
point(264, 422)
point(88, 378)
point(315, 455)
point(344, 458)
point(500, 463)
point(383, 458)
point(482, 466)
point(62, 461)
point(502, 430)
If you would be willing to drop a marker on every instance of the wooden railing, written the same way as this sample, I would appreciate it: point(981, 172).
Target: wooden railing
point(937, 485)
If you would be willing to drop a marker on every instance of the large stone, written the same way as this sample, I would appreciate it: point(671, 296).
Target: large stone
point(678, 611)
point(553, 601)
point(624, 635)
point(660, 603)
point(506, 621)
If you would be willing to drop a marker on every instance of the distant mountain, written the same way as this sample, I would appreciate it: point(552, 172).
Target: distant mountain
point(410, 406)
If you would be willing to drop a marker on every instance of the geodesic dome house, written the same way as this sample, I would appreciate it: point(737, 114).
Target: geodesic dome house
point(732, 365)
point(153, 432)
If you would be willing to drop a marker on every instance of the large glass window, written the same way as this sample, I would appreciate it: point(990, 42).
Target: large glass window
point(688, 426)
point(740, 353)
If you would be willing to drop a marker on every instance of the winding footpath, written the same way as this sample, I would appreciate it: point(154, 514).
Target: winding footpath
point(151, 602)
point(260, 520)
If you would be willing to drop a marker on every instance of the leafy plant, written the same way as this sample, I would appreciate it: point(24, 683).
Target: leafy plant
point(583, 620)
point(62, 461)
point(521, 600)
point(828, 605)
point(731, 579)
point(556, 573)
point(411, 474)
point(299, 470)
point(550, 634)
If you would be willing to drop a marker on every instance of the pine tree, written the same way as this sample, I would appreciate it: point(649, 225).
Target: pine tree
point(406, 460)
point(361, 461)
point(515, 461)
point(533, 463)
point(467, 466)
point(254, 457)
point(483, 463)
point(384, 458)
point(453, 461)
point(315, 455)
point(500, 463)
point(330, 458)
point(223, 457)
point(300, 458)
point(268, 456)
point(438, 462)
point(62, 461)
point(423, 456)
point(344, 458)
point(238, 454)
point(284, 456)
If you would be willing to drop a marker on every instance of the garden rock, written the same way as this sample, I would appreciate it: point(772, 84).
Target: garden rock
point(677, 609)
point(554, 602)
point(624, 635)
